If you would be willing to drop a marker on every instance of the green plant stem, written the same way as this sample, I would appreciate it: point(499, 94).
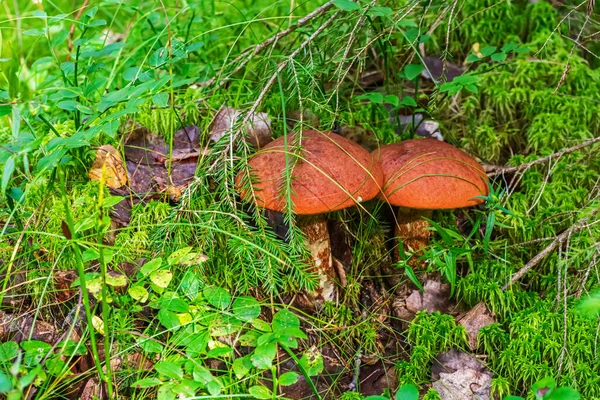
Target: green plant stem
point(104, 301)
point(81, 274)
point(303, 371)
point(275, 382)
point(75, 82)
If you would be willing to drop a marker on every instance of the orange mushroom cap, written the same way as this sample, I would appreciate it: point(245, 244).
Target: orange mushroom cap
point(331, 173)
point(431, 175)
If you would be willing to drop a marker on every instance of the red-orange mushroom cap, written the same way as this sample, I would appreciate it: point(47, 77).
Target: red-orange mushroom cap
point(429, 174)
point(331, 173)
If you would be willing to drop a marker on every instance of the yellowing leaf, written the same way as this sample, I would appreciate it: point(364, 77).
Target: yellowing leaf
point(161, 278)
point(108, 167)
point(138, 293)
point(94, 286)
point(116, 279)
point(184, 318)
point(98, 324)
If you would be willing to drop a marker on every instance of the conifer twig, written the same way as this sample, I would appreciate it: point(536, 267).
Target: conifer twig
point(272, 40)
point(558, 241)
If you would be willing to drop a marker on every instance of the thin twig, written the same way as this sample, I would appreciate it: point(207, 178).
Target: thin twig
point(499, 170)
point(272, 40)
point(559, 240)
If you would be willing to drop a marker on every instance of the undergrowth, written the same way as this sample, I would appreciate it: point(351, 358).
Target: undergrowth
point(191, 294)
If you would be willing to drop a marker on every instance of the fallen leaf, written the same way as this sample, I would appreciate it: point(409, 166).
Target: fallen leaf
point(475, 319)
point(258, 128)
point(91, 390)
point(460, 376)
point(18, 328)
point(98, 324)
point(108, 162)
point(63, 282)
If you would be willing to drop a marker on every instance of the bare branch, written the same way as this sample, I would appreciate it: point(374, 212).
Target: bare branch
point(494, 170)
point(559, 240)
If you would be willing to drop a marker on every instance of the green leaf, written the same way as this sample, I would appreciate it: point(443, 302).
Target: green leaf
point(214, 387)
point(34, 32)
point(507, 48)
point(289, 378)
point(392, 99)
point(217, 297)
point(373, 97)
point(241, 366)
point(407, 392)
point(219, 352)
point(70, 348)
point(260, 392)
point(284, 319)
point(138, 293)
point(409, 101)
point(8, 351)
point(472, 88)
point(177, 255)
point(5, 384)
point(380, 11)
point(9, 167)
point(190, 285)
point(168, 319)
point(564, 393)
point(151, 266)
point(375, 397)
point(202, 375)
point(161, 278)
point(5, 110)
point(146, 383)
point(498, 57)
point(590, 306)
point(488, 51)
point(261, 325)
point(246, 308)
point(346, 5)
point(412, 71)
point(513, 398)
point(263, 355)
point(312, 362)
point(471, 58)
point(413, 277)
point(149, 345)
point(169, 369)
point(544, 384)
point(160, 99)
point(175, 305)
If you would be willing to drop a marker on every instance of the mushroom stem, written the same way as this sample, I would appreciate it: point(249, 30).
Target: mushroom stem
point(412, 233)
point(316, 233)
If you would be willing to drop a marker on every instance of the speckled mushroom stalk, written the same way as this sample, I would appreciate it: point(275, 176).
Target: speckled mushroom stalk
point(422, 175)
point(331, 173)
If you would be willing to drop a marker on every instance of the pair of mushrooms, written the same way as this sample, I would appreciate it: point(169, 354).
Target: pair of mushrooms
point(332, 173)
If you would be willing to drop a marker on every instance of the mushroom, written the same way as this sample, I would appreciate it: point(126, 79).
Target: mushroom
point(422, 175)
point(330, 173)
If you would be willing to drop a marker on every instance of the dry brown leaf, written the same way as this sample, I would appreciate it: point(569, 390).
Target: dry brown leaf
point(92, 390)
point(475, 319)
point(258, 127)
point(115, 174)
